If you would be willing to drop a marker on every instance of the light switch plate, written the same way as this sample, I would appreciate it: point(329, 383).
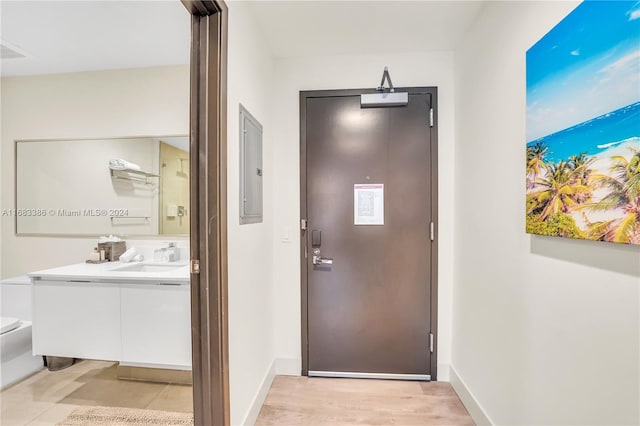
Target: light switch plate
point(286, 234)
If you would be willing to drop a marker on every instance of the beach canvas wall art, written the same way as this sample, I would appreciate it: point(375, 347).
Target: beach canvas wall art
point(583, 125)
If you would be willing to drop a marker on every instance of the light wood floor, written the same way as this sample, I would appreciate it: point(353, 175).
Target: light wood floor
point(320, 401)
point(48, 397)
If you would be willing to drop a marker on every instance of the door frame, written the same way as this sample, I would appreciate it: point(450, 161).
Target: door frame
point(304, 95)
point(208, 204)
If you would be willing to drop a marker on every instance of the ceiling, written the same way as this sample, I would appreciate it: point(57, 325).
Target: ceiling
point(301, 28)
point(70, 36)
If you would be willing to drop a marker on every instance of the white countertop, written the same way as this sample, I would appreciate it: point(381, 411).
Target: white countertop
point(106, 272)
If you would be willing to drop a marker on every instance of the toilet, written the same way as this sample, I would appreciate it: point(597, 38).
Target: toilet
point(16, 356)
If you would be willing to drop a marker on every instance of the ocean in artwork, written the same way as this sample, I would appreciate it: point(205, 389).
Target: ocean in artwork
point(595, 136)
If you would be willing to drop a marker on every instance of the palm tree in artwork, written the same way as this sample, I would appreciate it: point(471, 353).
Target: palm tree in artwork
point(535, 162)
point(560, 190)
point(580, 166)
point(624, 194)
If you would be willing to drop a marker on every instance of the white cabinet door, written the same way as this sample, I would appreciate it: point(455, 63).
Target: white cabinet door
point(76, 319)
point(156, 325)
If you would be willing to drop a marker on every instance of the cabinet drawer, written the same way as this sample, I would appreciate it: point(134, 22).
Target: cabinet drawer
point(156, 325)
point(76, 319)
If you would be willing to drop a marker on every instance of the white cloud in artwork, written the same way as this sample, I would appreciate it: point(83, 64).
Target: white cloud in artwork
point(590, 78)
point(619, 79)
point(625, 64)
point(543, 120)
point(600, 85)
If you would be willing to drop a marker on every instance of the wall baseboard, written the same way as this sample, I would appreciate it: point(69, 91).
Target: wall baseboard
point(261, 395)
point(443, 372)
point(474, 408)
point(288, 366)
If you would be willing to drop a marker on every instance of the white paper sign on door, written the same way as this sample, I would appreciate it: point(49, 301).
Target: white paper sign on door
point(368, 204)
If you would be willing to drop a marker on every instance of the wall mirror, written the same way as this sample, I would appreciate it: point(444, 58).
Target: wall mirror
point(121, 186)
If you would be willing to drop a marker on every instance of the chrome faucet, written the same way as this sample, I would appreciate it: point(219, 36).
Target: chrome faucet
point(167, 254)
point(173, 254)
point(160, 255)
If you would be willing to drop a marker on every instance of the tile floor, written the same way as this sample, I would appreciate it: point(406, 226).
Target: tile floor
point(48, 397)
point(320, 401)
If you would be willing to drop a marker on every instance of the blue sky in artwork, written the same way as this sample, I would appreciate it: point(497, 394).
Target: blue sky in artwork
point(586, 66)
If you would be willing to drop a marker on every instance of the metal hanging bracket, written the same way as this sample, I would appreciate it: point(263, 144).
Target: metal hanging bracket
point(385, 77)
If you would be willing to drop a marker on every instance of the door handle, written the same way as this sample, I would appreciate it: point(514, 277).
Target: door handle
point(317, 259)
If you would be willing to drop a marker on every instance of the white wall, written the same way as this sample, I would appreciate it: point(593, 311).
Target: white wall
point(250, 72)
point(351, 72)
point(545, 330)
point(102, 104)
point(2, 188)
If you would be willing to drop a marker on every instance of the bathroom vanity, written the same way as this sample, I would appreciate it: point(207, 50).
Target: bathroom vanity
point(138, 314)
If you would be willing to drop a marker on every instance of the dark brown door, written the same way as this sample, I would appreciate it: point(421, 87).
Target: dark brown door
point(368, 240)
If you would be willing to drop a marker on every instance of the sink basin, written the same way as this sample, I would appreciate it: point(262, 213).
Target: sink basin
point(146, 267)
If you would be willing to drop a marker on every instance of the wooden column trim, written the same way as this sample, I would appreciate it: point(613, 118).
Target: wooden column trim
point(208, 234)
